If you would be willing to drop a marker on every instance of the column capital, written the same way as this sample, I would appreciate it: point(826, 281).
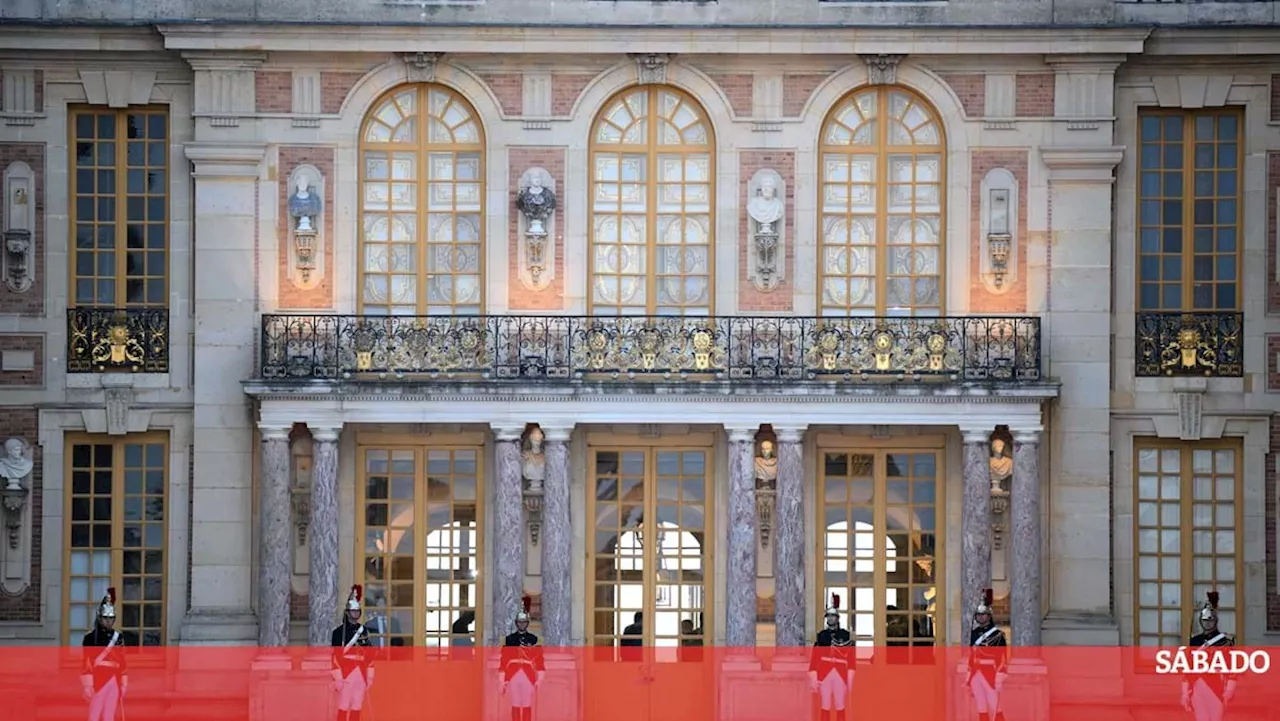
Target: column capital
point(324, 433)
point(225, 160)
point(1027, 435)
point(789, 433)
point(977, 435)
point(508, 431)
point(742, 434)
point(274, 433)
point(558, 434)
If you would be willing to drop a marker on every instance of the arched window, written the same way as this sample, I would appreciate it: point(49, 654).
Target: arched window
point(421, 205)
point(882, 205)
point(652, 201)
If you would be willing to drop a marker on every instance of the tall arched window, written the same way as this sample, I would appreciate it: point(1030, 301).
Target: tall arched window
point(882, 205)
point(652, 200)
point(421, 204)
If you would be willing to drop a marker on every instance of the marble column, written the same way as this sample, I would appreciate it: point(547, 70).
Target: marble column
point(740, 565)
point(508, 533)
point(275, 570)
point(557, 534)
point(1025, 537)
point(322, 536)
point(975, 518)
point(788, 540)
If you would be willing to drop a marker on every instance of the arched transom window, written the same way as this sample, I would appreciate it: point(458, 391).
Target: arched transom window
point(652, 190)
point(882, 205)
point(421, 204)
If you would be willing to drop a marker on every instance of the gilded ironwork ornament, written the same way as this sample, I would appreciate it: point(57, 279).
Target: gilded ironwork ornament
point(101, 340)
point(1208, 343)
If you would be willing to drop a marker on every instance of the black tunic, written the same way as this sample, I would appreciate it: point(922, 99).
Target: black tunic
point(102, 664)
point(358, 656)
point(1215, 682)
point(833, 651)
point(990, 654)
point(522, 654)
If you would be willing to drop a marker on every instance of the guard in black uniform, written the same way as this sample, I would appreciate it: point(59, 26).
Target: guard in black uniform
point(831, 669)
point(522, 665)
point(988, 661)
point(105, 673)
point(352, 659)
point(1207, 694)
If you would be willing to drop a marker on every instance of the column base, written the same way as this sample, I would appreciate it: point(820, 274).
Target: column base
point(218, 628)
point(275, 685)
point(1024, 696)
point(749, 694)
point(560, 695)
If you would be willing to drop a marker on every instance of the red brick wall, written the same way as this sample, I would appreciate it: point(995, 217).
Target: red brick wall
point(32, 301)
point(291, 296)
point(971, 88)
point(1273, 184)
point(1269, 508)
point(520, 159)
point(1275, 98)
point(273, 91)
point(1034, 96)
point(981, 300)
point(25, 606)
point(565, 89)
point(1273, 372)
point(334, 87)
point(740, 89)
point(750, 299)
point(508, 88)
point(796, 89)
point(34, 377)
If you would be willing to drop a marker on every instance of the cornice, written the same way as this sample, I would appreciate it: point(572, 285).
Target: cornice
point(1085, 164)
point(225, 160)
point(56, 39)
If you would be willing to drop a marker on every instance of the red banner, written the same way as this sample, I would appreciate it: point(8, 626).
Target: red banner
point(642, 684)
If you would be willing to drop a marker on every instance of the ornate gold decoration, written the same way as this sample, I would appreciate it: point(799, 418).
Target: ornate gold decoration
point(100, 340)
point(1194, 343)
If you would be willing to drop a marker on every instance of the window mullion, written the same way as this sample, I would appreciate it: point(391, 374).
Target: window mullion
point(1188, 210)
point(651, 203)
point(1187, 491)
point(881, 282)
point(121, 171)
point(423, 218)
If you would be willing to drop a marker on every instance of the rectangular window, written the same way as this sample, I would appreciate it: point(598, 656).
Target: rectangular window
point(1187, 529)
point(1189, 210)
point(116, 534)
point(120, 208)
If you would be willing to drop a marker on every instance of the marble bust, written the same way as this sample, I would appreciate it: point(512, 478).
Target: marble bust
point(766, 466)
point(765, 207)
point(1001, 465)
point(16, 464)
point(534, 467)
point(536, 202)
point(304, 205)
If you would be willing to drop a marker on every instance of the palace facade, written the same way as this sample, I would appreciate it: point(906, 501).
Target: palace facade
point(692, 311)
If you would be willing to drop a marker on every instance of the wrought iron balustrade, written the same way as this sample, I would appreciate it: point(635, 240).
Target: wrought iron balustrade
point(1199, 343)
point(106, 340)
point(566, 348)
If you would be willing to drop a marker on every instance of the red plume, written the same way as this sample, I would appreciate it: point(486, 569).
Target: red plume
point(835, 601)
point(358, 590)
point(111, 594)
point(527, 601)
point(987, 597)
point(1213, 599)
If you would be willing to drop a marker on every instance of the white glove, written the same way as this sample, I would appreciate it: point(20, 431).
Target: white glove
point(88, 691)
point(369, 682)
point(1229, 692)
point(124, 687)
point(1186, 697)
point(337, 680)
point(541, 675)
point(813, 680)
point(1000, 681)
point(849, 680)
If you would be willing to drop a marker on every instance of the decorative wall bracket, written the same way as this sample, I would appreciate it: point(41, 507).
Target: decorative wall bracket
point(306, 226)
point(882, 69)
point(13, 499)
point(999, 507)
point(651, 68)
point(19, 220)
point(300, 499)
point(533, 511)
point(767, 218)
point(536, 202)
point(422, 66)
point(766, 497)
point(999, 223)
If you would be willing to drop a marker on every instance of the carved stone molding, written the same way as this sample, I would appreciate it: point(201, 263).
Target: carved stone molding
point(118, 88)
point(19, 223)
point(651, 68)
point(882, 69)
point(16, 466)
point(1190, 415)
point(421, 67)
point(118, 401)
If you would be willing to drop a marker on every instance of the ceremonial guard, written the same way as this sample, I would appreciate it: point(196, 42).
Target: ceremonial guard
point(352, 659)
point(105, 674)
point(522, 666)
point(831, 670)
point(1207, 694)
point(988, 661)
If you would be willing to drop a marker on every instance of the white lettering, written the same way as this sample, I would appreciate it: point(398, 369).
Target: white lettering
point(1212, 661)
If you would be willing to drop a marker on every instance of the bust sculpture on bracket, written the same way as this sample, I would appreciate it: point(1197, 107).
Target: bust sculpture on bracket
point(16, 466)
point(306, 226)
point(766, 213)
point(19, 221)
point(536, 201)
point(533, 467)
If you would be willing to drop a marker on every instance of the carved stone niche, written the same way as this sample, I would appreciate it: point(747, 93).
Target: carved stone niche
point(19, 225)
point(536, 204)
point(306, 226)
point(16, 466)
point(767, 219)
point(1001, 478)
point(999, 241)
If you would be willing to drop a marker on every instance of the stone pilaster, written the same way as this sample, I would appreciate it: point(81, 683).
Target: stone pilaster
point(788, 540)
point(508, 532)
point(557, 534)
point(975, 520)
point(275, 567)
point(740, 565)
point(322, 536)
point(1025, 537)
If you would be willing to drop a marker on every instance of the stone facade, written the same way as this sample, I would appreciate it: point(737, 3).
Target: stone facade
point(250, 104)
